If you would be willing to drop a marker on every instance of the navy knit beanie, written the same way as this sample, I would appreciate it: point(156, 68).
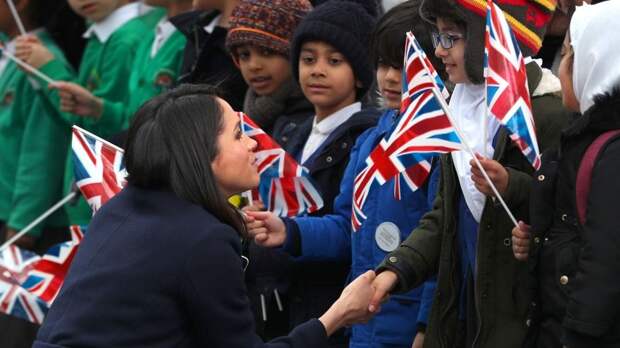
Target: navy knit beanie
point(347, 27)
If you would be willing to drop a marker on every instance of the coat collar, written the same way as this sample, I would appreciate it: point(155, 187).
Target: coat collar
point(604, 115)
point(106, 27)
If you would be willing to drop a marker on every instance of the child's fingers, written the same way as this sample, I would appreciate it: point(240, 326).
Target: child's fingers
point(259, 215)
point(261, 237)
point(255, 224)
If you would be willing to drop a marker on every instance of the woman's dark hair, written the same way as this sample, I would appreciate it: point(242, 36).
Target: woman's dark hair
point(171, 144)
point(64, 26)
point(387, 42)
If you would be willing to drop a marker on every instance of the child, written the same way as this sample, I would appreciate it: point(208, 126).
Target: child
point(330, 60)
point(205, 59)
point(329, 237)
point(576, 266)
point(155, 69)
point(481, 296)
point(258, 39)
point(113, 39)
point(34, 143)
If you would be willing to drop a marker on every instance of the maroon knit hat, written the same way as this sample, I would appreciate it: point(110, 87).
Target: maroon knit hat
point(265, 23)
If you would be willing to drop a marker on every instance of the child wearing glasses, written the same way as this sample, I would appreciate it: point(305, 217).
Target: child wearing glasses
point(482, 295)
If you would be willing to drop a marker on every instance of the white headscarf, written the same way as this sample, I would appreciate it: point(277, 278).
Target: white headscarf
point(594, 31)
point(468, 108)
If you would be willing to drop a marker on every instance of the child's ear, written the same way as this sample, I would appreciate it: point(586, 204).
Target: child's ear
point(359, 84)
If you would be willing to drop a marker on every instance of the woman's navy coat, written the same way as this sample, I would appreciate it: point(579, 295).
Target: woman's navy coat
point(157, 271)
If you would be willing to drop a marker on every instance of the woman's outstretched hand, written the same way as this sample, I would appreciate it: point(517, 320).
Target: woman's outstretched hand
point(352, 306)
point(266, 228)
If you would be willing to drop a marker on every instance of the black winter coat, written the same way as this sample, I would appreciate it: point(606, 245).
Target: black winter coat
point(206, 60)
point(577, 266)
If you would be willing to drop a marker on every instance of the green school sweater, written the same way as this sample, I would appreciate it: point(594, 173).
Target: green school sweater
point(104, 70)
point(153, 75)
point(34, 148)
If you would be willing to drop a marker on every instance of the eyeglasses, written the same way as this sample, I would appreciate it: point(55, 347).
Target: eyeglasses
point(446, 40)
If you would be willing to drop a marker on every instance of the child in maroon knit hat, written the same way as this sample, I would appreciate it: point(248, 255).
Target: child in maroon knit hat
point(258, 40)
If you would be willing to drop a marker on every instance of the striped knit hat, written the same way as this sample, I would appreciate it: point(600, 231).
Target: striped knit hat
point(528, 20)
point(265, 23)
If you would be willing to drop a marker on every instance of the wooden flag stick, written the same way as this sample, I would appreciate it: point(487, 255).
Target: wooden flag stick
point(38, 220)
point(446, 109)
point(28, 67)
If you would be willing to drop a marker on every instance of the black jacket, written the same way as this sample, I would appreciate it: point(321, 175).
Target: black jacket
point(577, 266)
point(206, 60)
point(157, 271)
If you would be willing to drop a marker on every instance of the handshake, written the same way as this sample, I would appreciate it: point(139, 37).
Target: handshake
point(359, 301)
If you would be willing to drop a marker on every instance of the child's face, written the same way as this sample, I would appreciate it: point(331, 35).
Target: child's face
point(389, 83)
point(95, 10)
point(565, 73)
point(453, 57)
point(326, 78)
point(262, 69)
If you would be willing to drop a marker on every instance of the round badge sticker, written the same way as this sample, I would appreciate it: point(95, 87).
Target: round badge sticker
point(387, 236)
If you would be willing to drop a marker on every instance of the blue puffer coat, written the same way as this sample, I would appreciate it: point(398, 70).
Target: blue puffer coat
point(330, 238)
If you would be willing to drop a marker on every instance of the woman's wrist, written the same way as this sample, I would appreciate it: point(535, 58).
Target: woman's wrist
point(333, 319)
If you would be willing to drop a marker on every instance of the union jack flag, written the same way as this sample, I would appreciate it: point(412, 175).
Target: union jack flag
point(29, 283)
point(98, 166)
point(508, 96)
point(48, 273)
point(422, 131)
point(285, 186)
point(15, 265)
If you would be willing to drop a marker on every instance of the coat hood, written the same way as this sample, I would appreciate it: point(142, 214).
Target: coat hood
point(595, 65)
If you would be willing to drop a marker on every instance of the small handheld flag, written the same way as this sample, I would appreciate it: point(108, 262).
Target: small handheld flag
point(508, 96)
point(29, 283)
point(285, 186)
point(422, 131)
point(98, 166)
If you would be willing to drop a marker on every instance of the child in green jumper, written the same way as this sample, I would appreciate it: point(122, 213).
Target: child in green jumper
point(113, 38)
point(33, 145)
point(31, 170)
point(155, 69)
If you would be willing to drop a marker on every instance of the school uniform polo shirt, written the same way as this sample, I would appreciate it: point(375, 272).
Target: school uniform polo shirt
point(321, 130)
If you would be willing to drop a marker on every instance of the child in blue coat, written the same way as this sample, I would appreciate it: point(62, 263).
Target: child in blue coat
point(330, 237)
